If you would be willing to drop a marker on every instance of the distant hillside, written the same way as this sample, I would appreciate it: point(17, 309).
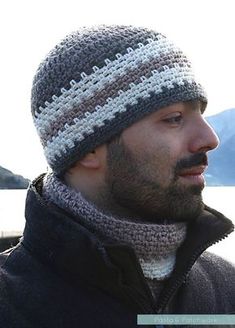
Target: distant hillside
point(221, 169)
point(9, 180)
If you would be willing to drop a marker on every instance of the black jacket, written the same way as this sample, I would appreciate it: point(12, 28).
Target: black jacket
point(62, 275)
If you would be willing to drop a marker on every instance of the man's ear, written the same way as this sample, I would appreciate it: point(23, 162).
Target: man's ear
point(91, 160)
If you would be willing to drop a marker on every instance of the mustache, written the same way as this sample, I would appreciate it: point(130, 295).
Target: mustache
point(190, 162)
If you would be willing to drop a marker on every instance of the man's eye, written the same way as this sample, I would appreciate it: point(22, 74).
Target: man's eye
point(176, 119)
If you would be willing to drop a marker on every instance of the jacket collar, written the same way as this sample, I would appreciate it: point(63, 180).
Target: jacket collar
point(55, 237)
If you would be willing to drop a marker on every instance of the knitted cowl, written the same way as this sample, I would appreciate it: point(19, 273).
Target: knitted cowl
point(154, 244)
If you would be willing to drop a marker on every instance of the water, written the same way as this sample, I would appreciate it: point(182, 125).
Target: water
point(12, 203)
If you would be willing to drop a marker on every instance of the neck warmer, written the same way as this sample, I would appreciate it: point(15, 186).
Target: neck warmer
point(154, 244)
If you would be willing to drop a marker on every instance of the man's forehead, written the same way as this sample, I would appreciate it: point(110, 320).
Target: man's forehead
point(198, 104)
point(194, 105)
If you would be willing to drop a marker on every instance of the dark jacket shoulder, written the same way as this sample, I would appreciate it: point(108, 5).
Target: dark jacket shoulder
point(209, 287)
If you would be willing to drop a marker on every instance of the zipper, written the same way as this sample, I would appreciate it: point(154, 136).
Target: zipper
point(168, 296)
point(146, 304)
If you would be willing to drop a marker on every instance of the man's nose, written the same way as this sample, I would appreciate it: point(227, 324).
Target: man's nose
point(204, 137)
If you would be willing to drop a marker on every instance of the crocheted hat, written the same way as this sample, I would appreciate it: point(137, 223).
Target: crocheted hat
point(98, 81)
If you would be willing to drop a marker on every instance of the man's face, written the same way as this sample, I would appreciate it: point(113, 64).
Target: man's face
point(155, 168)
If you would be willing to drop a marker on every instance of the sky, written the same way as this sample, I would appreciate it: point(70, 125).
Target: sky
point(29, 29)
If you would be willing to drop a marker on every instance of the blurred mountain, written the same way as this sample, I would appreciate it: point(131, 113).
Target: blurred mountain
point(9, 180)
point(221, 171)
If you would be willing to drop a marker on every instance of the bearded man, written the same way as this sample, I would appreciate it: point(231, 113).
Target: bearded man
point(118, 226)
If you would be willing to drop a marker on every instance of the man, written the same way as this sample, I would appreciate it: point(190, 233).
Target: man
point(118, 226)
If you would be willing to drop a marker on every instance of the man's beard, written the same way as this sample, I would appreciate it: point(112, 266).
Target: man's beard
point(131, 184)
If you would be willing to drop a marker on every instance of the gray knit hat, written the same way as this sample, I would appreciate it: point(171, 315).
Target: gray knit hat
point(100, 80)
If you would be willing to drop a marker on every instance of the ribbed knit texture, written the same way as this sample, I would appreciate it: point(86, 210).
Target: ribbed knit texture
point(155, 245)
point(100, 80)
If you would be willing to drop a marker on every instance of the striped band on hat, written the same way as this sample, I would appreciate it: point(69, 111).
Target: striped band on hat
point(99, 81)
